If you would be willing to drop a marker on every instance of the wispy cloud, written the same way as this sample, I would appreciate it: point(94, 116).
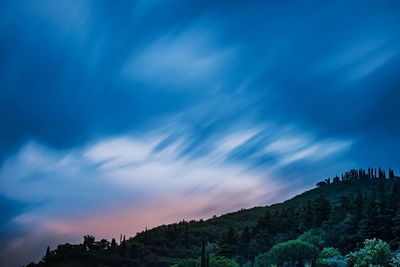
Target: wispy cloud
point(181, 59)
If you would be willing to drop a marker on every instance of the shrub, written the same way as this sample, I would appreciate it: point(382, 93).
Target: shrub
point(375, 253)
point(223, 262)
point(331, 257)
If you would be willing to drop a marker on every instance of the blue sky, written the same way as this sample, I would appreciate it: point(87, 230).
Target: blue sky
point(113, 114)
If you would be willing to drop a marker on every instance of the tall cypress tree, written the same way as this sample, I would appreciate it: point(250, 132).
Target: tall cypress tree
point(47, 256)
point(203, 261)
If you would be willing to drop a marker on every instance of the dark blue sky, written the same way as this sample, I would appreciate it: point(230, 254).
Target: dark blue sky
point(111, 112)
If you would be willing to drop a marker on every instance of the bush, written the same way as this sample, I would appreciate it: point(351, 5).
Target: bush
point(262, 260)
point(223, 262)
point(291, 251)
point(375, 253)
point(331, 257)
point(395, 259)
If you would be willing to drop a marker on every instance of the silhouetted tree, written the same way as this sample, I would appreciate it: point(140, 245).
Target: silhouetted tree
point(203, 261)
point(113, 245)
point(88, 242)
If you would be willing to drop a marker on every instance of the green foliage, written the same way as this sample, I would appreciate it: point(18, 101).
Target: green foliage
point(330, 256)
point(375, 252)
point(330, 252)
point(291, 251)
point(221, 261)
point(341, 215)
point(262, 260)
point(228, 243)
point(187, 263)
point(313, 236)
point(395, 261)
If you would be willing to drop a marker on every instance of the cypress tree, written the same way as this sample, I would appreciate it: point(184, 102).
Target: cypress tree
point(123, 247)
point(47, 256)
point(203, 261)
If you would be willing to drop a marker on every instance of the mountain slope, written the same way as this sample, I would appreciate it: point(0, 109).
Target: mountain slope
point(345, 212)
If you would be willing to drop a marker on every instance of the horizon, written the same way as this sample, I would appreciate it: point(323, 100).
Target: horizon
point(120, 116)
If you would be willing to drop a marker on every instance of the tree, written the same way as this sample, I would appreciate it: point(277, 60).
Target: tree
point(331, 257)
point(307, 216)
point(88, 242)
point(369, 227)
point(222, 262)
point(322, 210)
point(262, 260)
point(263, 231)
point(103, 244)
point(123, 249)
point(244, 246)
point(329, 252)
point(383, 219)
point(186, 234)
point(113, 245)
point(228, 243)
point(203, 260)
point(375, 253)
point(391, 173)
point(245, 237)
point(313, 237)
point(292, 251)
point(396, 229)
point(47, 256)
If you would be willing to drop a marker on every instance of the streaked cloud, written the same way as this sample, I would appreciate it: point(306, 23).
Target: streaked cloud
point(182, 58)
point(141, 105)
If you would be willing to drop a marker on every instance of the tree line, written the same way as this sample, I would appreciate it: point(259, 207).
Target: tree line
point(336, 224)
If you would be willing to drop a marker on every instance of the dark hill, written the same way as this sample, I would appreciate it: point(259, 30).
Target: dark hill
point(344, 211)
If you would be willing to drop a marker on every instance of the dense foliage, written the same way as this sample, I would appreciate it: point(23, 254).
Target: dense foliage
point(352, 220)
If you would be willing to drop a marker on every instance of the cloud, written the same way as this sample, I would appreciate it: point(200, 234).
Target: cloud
point(292, 148)
point(355, 61)
point(181, 59)
point(104, 108)
point(113, 180)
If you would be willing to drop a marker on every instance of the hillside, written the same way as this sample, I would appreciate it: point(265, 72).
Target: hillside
point(340, 213)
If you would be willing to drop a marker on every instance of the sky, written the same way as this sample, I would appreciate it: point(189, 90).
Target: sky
point(121, 115)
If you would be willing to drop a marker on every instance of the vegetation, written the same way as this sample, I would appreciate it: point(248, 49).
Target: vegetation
point(353, 220)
